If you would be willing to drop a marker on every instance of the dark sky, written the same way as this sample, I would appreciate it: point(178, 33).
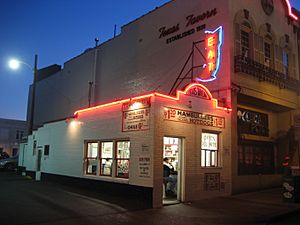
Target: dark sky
point(56, 30)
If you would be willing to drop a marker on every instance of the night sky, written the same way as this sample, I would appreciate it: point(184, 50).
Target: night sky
point(56, 30)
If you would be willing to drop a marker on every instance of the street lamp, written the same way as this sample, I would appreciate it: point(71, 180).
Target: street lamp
point(15, 64)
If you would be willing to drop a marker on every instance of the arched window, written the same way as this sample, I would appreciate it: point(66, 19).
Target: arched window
point(268, 50)
point(244, 39)
point(244, 29)
point(264, 46)
point(285, 57)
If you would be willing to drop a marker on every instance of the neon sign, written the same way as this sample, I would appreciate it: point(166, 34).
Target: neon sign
point(289, 6)
point(187, 91)
point(213, 44)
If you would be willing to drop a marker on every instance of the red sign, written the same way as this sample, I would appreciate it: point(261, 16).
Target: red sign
point(137, 104)
point(213, 43)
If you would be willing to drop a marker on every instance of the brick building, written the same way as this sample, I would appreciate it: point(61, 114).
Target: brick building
point(212, 85)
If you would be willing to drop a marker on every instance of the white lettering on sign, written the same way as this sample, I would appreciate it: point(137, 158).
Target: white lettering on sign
point(196, 118)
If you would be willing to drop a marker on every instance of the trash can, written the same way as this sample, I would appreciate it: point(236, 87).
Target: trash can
point(291, 188)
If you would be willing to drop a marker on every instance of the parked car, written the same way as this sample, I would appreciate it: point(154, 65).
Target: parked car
point(9, 163)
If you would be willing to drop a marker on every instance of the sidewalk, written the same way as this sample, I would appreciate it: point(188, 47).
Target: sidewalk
point(250, 208)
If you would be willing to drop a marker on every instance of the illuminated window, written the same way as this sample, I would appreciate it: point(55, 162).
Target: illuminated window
point(122, 158)
point(111, 157)
point(106, 158)
point(91, 158)
point(209, 150)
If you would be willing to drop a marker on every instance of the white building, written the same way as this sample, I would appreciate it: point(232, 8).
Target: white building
point(227, 131)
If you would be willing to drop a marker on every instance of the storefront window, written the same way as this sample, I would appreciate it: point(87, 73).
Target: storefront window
point(106, 158)
point(209, 150)
point(123, 155)
point(255, 158)
point(92, 158)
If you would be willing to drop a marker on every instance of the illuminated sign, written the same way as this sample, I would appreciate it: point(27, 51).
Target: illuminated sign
point(136, 120)
point(136, 115)
point(137, 104)
point(213, 44)
point(199, 92)
point(140, 99)
point(197, 118)
point(251, 122)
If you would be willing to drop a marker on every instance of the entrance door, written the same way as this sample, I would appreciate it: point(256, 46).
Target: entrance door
point(38, 166)
point(172, 151)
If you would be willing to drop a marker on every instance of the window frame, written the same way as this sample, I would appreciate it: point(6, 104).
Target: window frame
point(121, 159)
point(46, 150)
point(217, 151)
point(86, 158)
point(262, 155)
point(101, 170)
point(114, 160)
point(243, 39)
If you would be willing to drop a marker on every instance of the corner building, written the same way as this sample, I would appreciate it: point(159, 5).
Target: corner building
point(212, 85)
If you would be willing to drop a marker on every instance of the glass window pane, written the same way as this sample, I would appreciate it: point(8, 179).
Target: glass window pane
point(213, 158)
point(208, 159)
point(123, 168)
point(202, 157)
point(92, 166)
point(107, 150)
point(106, 168)
point(123, 150)
point(92, 150)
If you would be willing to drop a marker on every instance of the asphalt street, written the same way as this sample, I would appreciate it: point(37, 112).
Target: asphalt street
point(24, 201)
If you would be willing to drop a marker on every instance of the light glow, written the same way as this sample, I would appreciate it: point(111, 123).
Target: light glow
point(174, 98)
point(291, 14)
point(14, 64)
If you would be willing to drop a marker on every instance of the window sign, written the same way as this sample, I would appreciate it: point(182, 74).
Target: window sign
point(209, 150)
point(209, 141)
point(136, 115)
point(251, 122)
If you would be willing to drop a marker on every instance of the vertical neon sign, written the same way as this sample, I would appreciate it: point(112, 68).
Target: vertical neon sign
point(213, 44)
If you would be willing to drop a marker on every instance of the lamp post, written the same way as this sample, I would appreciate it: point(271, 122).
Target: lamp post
point(15, 64)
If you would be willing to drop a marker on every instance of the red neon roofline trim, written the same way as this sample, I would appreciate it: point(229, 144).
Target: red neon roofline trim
point(175, 98)
point(291, 14)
